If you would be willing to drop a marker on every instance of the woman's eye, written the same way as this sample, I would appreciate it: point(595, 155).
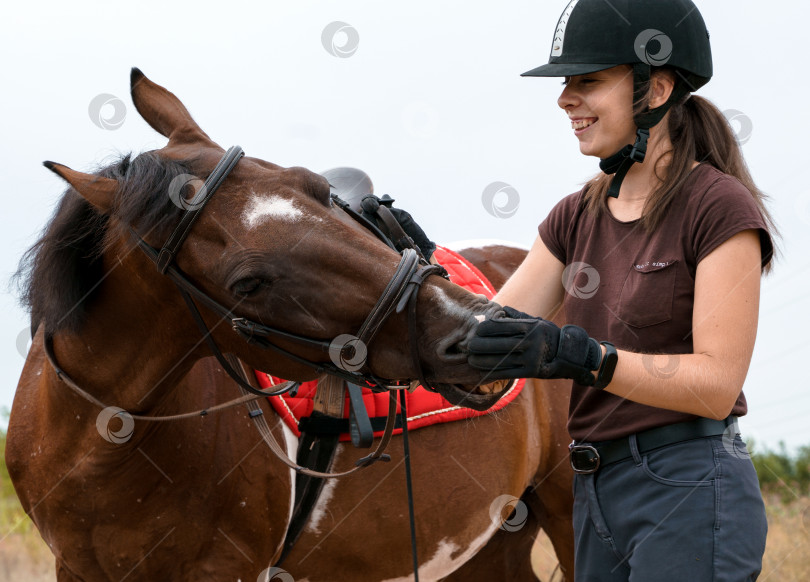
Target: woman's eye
point(247, 286)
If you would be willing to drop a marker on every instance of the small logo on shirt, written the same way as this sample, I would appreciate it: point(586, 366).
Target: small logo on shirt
point(652, 265)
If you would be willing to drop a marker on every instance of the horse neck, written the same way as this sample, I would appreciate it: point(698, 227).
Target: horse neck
point(133, 347)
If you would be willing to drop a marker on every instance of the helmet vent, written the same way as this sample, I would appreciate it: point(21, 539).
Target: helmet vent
point(559, 34)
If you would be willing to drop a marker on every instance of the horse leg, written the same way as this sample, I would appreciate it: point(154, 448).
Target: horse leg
point(552, 500)
point(553, 508)
point(507, 555)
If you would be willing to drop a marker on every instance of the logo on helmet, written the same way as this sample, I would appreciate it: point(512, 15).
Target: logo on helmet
point(559, 34)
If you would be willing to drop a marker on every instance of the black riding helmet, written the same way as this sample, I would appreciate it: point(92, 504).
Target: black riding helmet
point(593, 35)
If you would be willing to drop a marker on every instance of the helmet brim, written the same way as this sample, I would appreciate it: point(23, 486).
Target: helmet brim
point(566, 69)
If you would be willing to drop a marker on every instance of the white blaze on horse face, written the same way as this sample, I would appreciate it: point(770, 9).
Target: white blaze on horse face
point(272, 207)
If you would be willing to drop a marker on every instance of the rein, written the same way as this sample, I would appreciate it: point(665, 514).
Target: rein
point(64, 377)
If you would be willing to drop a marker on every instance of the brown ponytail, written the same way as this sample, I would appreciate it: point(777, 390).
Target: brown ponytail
point(699, 132)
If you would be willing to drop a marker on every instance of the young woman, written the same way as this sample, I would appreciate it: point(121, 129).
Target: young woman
point(660, 258)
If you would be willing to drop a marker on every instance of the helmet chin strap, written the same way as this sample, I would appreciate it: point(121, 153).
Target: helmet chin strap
point(621, 162)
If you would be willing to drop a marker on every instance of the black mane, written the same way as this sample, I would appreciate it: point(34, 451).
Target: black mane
point(59, 274)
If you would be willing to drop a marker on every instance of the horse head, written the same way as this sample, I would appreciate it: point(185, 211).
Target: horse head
point(271, 246)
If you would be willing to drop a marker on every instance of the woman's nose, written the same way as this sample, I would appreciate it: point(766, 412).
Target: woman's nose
point(567, 98)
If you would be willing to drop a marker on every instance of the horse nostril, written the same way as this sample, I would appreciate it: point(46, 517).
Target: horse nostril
point(457, 348)
point(453, 349)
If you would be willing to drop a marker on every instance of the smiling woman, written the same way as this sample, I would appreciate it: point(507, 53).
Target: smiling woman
point(673, 237)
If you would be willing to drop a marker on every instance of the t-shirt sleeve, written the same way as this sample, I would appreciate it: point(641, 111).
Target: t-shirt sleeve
point(728, 208)
point(555, 229)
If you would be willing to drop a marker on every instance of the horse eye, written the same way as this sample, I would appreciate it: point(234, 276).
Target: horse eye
point(247, 286)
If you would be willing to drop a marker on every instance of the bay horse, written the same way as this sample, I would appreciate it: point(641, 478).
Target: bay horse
point(200, 498)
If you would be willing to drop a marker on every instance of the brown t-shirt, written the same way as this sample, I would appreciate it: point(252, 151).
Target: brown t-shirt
point(637, 290)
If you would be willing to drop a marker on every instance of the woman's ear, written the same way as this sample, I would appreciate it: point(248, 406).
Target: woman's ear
point(662, 82)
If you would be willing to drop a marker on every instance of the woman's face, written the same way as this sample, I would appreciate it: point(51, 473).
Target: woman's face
point(600, 107)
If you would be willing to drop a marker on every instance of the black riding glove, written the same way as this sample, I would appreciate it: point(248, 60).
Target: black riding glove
point(371, 210)
point(513, 344)
point(413, 230)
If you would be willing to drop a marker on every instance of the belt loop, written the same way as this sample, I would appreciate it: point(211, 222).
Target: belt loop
point(634, 449)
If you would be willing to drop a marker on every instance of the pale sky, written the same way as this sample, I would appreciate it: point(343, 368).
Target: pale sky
point(430, 104)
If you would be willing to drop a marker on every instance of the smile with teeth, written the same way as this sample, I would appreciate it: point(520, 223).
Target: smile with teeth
point(582, 123)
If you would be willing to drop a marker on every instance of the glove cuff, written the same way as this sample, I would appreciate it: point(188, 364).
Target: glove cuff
point(581, 352)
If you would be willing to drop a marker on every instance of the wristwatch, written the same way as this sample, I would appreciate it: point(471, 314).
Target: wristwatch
point(607, 367)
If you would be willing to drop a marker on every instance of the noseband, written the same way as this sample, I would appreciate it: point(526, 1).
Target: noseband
point(400, 292)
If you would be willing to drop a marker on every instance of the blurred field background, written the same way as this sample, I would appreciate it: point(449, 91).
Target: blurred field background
point(784, 477)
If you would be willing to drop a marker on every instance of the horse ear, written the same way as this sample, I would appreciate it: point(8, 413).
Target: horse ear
point(96, 190)
point(163, 110)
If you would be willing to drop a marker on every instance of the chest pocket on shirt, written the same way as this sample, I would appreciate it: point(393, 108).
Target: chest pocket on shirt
point(648, 293)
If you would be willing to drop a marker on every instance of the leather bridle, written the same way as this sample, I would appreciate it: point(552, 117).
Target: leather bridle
point(400, 291)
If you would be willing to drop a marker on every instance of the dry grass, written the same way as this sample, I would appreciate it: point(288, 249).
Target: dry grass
point(24, 556)
point(787, 554)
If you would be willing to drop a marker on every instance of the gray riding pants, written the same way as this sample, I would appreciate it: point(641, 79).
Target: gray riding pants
point(687, 512)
